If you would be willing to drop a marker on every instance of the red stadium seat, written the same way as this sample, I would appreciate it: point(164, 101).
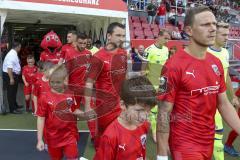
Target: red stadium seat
point(155, 34)
point(143, 19)
point(150, 37)
point(139, 28)
point(148, 34)
point(140, 37)
point(153, 26)
point(146, 26)
point(138, 33)
point(137, 25)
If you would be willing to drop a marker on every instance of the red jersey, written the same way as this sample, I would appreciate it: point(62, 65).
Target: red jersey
point(41, 87)
point(108, 70)
point(66, 48)
point(57, 132)
point(77, 63)
point(193, 88)
point(54, 58)
point(118, 143)
point(29, 73)
point(161, 11)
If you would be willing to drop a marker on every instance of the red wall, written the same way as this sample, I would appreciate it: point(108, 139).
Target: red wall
point(148, 42)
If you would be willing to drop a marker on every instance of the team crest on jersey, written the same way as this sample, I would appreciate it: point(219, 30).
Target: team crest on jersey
point(143, 140)
point(216, 70)
point(69, 101)
point(163, 84)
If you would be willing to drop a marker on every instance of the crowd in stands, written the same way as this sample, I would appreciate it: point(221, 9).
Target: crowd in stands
point(167, 15)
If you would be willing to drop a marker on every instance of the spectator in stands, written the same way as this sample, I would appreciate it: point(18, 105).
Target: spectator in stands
point(176, 35)
point(137, 58)
point(161, 14)
point(151, 11)
point(172, 19)
point(184, 35)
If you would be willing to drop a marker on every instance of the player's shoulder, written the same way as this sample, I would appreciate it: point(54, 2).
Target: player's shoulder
point(150, 48)
point(177, 59)
point(112, 130)
point(145, 126)
point(165, 48)
point(25, 67)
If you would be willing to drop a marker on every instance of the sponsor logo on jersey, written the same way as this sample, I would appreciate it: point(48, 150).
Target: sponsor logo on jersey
point(206, 90)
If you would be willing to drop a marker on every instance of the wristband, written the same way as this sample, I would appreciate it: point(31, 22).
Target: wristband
point(162, 157)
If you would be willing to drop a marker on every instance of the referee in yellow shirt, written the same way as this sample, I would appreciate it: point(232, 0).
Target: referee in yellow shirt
point(156, 55)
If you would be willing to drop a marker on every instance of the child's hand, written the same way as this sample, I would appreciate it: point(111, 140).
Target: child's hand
point(26, 84)
point(40, 145)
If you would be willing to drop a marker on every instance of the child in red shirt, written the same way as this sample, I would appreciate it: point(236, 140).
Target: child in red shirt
point(60, 134)
point(28, 74)
point(41, 85)
point(125, 138)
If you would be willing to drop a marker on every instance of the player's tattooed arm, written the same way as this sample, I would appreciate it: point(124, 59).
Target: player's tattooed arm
point(163, 127)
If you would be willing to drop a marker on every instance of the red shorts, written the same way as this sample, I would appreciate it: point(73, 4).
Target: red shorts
point(70, 151)
point(27, 90)
point(191, 155)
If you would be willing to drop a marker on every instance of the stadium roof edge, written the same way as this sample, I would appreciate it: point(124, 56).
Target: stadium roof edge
point(45, 7)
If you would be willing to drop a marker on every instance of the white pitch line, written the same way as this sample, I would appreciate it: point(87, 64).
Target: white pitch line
point(32, 130)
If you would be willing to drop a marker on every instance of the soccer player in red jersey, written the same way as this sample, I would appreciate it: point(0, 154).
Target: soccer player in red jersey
point(107, 71)
point(28, 73)
point(41, 84)
point(76, 60)
point(61, 135)
point(125, 138)
point(191, 88)
point(71, 42)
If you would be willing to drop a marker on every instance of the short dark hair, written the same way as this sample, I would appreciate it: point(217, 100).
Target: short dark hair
point(222, 24)
point(113, 25)
point(16, 44)
point(82, 36)
point(98, 42)
point(162, 31)
point(138, 90)
point(190, 15)
point(72, 32)
point(30, 56)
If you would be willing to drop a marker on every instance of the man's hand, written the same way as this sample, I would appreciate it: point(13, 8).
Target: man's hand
point(12, 81)
point(40, 145)
point(26, 84)
point(89, 115)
